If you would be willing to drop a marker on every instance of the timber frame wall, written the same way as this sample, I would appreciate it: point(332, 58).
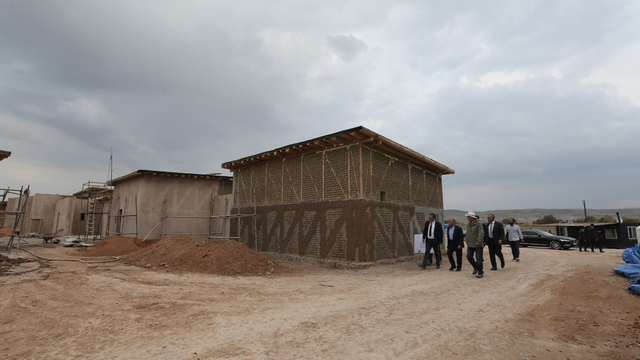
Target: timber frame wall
point(354, 202)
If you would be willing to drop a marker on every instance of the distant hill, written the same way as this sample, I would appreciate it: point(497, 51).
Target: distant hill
point(530, 215)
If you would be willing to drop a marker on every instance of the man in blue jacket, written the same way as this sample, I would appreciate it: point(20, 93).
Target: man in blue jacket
point(432, 236)
point(455, 244)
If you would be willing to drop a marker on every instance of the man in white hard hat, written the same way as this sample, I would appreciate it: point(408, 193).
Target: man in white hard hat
point(475, 243)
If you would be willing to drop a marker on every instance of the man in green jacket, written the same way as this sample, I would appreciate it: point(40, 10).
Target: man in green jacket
point(475, 243)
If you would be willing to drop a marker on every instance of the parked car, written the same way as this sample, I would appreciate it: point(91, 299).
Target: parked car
point(543, 238)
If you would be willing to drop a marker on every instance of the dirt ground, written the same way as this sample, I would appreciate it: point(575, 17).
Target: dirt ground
point(551, 305)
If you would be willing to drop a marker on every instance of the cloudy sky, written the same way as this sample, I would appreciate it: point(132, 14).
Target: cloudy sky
point(534, 104)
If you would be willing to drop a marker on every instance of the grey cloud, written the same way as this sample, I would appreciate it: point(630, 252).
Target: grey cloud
point(187, 86)
point(346, 46)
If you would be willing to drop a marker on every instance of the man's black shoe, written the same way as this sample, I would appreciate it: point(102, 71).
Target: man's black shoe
point(502, 263)
point(422, 266)
point(437, 266)
point(452, 268)
point(458, 269)
point(475, 272)
point(493, 269)
point(479, 275)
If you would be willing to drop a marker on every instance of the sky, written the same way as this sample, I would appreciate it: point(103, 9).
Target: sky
point(533, 104)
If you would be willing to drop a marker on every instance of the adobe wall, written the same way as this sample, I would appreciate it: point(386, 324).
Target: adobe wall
point(351, 172)
point(158, 196)
point(67, 217)
point(41, 216)
point(353, 230)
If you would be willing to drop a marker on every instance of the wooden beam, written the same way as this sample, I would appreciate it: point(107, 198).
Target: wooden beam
point(360, 162)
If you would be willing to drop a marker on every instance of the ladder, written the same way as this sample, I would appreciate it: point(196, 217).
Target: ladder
point(91, 207)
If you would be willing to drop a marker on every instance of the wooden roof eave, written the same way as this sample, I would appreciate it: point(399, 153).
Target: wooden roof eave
point(408, 154)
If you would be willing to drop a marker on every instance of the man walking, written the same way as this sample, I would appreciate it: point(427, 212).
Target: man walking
point(475, 243)
point(582, 238)
point(493, 235)
point(432, 236)
point(455, 244)
point(513, 233)
point(592, 235)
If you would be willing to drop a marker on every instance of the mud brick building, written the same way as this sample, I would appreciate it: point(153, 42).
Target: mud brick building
point(156, 204)
point(352, 195)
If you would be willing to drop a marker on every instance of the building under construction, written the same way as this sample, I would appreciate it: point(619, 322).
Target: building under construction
point(352, 195)
point(95, 202)
point(155, 204)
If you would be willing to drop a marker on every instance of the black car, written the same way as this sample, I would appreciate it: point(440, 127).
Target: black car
point(543, 238)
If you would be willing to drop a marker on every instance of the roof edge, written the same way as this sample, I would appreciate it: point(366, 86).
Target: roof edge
point(139, 173)
point(371, 136)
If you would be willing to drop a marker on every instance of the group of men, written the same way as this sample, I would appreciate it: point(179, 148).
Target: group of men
point(589, 236)
point(492, 234)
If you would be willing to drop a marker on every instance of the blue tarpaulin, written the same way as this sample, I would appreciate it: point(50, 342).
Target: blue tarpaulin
point(631, 269)
point(631, 255)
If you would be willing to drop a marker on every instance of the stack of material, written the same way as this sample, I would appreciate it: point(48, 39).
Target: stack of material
point(221, 257)
point(631, 269)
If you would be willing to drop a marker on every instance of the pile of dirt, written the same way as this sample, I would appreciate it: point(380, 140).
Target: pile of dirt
point(220, 257)
point(114, 246)
point(6, 231)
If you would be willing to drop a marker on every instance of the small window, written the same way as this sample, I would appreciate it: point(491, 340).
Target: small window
point(610, 234)
point(383, 196)
point(631, 231)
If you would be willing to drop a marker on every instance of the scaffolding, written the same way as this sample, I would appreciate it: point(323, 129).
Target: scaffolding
point(121, 217)
point(15, 217)
point(96, 204)
point(214, 232)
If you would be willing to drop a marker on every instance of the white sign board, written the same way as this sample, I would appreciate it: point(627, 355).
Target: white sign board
point(418, 246)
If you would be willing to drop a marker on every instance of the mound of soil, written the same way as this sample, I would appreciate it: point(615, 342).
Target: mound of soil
point(220, 257)
point(114, 246)
point(6, 231)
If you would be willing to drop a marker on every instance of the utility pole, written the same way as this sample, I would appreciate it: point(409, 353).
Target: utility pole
point(584, 205)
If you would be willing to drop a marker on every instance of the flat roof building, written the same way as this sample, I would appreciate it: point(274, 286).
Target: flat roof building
point(155, 204)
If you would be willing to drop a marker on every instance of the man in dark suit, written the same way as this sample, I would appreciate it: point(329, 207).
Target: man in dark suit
point(582, 238)
point(493, 235)
point(593, 237)
point(455, 244)
point(432, 236)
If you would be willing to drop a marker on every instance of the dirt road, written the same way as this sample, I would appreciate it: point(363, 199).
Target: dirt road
point(551, 305)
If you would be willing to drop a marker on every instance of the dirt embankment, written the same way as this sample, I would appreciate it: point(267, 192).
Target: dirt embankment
point(221, 257)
